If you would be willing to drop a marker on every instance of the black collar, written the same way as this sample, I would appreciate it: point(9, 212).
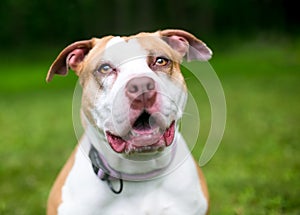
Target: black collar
point(102, 171)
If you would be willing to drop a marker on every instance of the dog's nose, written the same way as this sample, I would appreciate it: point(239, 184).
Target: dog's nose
point(141, 91)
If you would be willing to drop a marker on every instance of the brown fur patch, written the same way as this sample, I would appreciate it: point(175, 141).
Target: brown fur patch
point(203, 185)
point(55, 196)
point(157, 47)
point(91, 61)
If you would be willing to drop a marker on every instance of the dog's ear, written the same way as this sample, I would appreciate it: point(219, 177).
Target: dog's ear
point(186, 44)
point(70, 58)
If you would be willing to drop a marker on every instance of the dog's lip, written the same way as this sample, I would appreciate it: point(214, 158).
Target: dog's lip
point(141, 141)
point(116, 142)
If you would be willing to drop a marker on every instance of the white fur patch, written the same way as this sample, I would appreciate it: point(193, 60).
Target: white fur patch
point(118, 50)
point(113, 41)
point(174, 194)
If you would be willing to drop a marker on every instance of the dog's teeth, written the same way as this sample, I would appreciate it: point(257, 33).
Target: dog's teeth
point(127, 151)
point(160, 149)
point(156, 131)
point(135, 134)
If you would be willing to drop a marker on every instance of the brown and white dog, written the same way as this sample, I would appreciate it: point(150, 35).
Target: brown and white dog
point(131, 158)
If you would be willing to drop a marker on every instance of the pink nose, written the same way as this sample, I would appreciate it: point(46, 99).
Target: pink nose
point(141, 92)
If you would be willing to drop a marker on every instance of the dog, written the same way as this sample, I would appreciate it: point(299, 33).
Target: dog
point(131, 158)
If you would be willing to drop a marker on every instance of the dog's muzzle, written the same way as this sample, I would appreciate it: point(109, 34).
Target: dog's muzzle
point(148, 130)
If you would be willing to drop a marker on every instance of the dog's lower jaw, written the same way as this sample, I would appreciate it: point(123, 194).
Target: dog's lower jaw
point(130, 163)
point(140, 141)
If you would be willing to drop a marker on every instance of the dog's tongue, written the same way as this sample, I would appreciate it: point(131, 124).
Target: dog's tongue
point(117, 143)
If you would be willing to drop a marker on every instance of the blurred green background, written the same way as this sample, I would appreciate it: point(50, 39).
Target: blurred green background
point(256, 48)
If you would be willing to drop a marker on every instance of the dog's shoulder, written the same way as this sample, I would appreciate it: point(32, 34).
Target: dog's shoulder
point(55, 196)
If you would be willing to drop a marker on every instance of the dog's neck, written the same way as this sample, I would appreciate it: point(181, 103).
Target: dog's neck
point(133, 167)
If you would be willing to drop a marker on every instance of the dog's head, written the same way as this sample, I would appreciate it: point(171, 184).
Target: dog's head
point(133, 89)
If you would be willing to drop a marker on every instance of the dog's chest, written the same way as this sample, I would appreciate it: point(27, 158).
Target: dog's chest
point(176, 193)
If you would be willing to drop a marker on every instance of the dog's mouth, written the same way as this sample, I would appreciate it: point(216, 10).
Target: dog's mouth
point(145, 136)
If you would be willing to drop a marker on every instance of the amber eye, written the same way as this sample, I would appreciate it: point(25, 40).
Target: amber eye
point(161, 61)
point(105, 68)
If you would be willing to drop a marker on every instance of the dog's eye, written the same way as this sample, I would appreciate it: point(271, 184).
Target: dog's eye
point(105, 68)
point(161, 61)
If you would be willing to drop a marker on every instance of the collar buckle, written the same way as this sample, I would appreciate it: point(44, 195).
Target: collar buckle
point(102, 172)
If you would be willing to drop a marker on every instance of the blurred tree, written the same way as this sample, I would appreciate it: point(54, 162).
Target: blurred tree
point(55, 21)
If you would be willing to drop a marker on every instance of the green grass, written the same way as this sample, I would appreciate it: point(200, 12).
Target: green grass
point(255, 170)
